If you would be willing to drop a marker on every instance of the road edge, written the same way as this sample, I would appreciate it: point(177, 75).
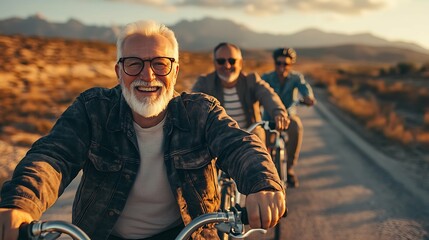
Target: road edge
point(380, 159)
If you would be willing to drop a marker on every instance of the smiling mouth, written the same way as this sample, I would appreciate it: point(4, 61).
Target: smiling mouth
point(147, 89)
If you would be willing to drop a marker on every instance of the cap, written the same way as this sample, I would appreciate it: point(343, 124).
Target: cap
point(285, 52)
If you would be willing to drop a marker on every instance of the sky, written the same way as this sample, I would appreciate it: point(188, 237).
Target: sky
point(395, 20)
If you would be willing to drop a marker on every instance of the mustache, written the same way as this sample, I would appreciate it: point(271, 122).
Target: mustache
point(141, 83)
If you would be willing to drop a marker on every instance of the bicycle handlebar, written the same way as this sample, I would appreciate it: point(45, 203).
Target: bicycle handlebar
point(267, 125)
point(231, 222)
point(52, 229)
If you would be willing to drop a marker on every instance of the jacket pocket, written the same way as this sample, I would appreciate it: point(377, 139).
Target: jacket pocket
point(98, 183)
point(195, 158)
point(197, 172)
point(103, 159)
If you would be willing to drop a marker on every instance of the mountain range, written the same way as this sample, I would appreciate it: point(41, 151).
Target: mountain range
point(202, 35)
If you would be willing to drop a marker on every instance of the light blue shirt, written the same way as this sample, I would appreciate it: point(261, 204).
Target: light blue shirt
point(288, 93)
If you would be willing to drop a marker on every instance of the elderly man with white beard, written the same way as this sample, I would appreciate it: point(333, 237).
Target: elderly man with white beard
point(149, 155)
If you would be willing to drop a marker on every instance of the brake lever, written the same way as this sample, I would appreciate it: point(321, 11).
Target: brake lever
point(248, 233)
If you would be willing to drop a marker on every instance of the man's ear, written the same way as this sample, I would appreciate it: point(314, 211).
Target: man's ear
point(117, 70)
point(177, 71)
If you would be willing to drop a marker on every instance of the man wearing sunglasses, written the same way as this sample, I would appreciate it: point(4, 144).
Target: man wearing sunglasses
point(239, 93)
point(288, 84)
point(149, 155)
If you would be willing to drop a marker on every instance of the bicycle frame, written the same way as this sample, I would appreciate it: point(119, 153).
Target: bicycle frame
point(227, 182)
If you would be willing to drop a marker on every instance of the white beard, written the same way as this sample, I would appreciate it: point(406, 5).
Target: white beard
point(229, 78)
point(147, 106)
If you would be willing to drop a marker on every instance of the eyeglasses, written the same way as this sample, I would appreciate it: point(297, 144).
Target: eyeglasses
point(133, 66)
point(280, 63)
point(222, 61)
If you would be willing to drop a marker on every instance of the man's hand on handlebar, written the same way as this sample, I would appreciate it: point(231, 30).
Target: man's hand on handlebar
point(309, 101)
point(282, 122)
point(265, 208)
point(10, 220)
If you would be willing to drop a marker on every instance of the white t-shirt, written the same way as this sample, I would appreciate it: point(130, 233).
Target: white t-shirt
point(151, 207)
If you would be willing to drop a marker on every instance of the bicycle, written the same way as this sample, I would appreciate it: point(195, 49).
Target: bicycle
point(229, 198)
point(276, 146)
point(231, 222)
point(276, 142)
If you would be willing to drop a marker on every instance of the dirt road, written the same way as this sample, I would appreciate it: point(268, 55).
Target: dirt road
point(348, 191)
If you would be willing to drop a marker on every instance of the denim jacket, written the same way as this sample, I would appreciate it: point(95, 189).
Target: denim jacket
point(96, 135)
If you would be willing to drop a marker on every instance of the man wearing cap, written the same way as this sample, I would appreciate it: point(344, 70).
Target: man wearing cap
point(287, 84)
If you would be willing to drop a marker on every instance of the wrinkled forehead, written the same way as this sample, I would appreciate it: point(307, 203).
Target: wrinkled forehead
point(150, 46)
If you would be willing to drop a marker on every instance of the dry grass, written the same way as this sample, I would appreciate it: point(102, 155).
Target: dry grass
point(394, 106)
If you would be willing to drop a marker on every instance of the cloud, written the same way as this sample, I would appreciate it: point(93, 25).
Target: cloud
point(164, 4)
point(274, 7)
point(342, 7)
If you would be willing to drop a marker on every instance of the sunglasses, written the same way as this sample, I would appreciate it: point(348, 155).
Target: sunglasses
point(279, 63)
point(222, 61)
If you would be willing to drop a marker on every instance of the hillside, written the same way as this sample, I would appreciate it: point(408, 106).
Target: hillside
point(202, 34)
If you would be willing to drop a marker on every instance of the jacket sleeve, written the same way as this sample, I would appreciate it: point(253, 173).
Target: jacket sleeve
point(267, 96)
point(199, 85)
point(50, 165)
point(303, 86)
point(244, 157)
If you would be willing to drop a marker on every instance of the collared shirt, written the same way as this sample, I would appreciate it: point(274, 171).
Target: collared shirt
point(295, 83)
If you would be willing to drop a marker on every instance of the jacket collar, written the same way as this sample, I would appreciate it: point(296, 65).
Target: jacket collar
point(120, 116)
point(177, 113)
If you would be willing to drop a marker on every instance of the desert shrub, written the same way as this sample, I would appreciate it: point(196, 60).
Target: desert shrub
point(23, 140)
point(395, 129)
point(422, 137)
point(361, 107)
point(404, 68)
point(323, 78)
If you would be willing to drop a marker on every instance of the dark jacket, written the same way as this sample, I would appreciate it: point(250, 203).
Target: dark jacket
point(252, 92)
point(96, 134)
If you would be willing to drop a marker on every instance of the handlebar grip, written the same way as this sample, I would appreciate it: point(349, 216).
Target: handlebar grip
point(24, 231)
point(245, 217)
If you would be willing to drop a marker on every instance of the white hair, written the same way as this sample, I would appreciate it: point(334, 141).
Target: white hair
point(146, 28)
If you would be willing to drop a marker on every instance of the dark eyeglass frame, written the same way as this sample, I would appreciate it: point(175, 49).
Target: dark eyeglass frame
point(222, 61)
point(280, 63)
point(156, 71)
